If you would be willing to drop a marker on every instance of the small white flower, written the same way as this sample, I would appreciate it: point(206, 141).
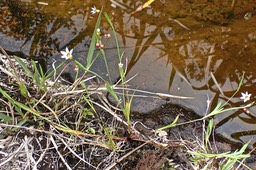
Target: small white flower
point(120, 64)
point(161, 133)
point(67, 54)
point(94, 10)
point(245, 96)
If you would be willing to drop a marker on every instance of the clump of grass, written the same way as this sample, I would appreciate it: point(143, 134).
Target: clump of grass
point(203, 156)
point(68, 115)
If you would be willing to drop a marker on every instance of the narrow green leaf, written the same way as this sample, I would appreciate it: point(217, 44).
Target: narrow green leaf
point(24, 66)
point(36, 75)
point(170, 125)
point(6, 95)
point(109, 20)
point(23, 90)
point(92, 44)
point(21, 105)
point(127, 112)
point(90, 104)
point(111, 91)
point(111, 142)
point(87, 70)
point(208, 131)
point(106, 64)
point(22, 122)
point(228, 165)
point(5, 118)
point(116, 39)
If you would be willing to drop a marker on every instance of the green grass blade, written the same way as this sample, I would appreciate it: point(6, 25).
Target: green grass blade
point(106, 64)
point(111, 91)
point(36, 75)
point(23, 90)
point(6, 95)
point(5, 118)
point(111, 142)
point(27, 108)
point(127, 112)
point(170, 125)
point(87, 70)
point(92, 44)
point(113, 28)
point(208, 131)
point(24, 66)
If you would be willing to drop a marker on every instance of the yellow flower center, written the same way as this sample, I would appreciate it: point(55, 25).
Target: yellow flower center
point(70, 56)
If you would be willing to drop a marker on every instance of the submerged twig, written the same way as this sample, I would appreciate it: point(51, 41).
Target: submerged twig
point(115, 4)
point(182, 25)
point(216, 83)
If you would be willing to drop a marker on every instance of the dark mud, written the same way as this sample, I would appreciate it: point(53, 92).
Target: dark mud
point(149, 157)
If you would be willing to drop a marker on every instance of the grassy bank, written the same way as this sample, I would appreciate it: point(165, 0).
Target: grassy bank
point(49, 122)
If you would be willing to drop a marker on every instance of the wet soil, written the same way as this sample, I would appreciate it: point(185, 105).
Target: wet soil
point(149, 157)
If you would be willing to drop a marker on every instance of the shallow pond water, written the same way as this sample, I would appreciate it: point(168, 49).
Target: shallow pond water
point(177, 47)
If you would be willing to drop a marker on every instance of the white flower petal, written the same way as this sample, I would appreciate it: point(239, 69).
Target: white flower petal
point(93, 10)
point(67, 54)
point(245, 96)
point(120, 64)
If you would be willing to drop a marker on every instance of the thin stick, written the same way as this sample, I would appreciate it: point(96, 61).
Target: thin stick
point(123, 157)
point(12, 65)
point(53, 112)
point(61, 157)
point(42, 155)
point(11, 110)
point(29, 152)
point(233, 5)
point(75, 154)
point(106, 108)
point(103, 88)
point(182, 25)
point(13, 155)
point(216, 83)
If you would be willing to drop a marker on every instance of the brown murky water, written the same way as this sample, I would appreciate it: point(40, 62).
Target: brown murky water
point(177, 47)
